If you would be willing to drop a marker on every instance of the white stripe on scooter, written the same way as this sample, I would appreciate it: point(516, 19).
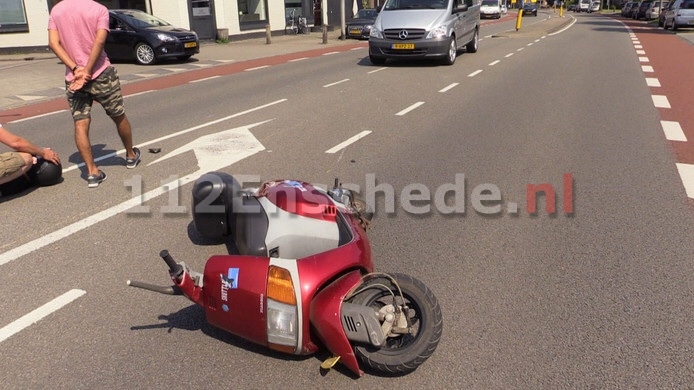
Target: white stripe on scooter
point(38, 314)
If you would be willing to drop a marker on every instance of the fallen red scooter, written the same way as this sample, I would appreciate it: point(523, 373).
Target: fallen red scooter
point(303, 277)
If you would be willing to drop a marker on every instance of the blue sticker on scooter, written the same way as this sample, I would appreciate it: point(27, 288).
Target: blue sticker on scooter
point(233, 277)
point(225, 307)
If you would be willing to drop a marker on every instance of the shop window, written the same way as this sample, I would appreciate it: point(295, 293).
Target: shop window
point(252, 14)
point(13, 16)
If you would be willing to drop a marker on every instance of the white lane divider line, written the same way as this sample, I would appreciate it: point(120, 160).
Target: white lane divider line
point(410, 108)
point(256, 68)
point(205, 79)
point(348, 142)
point(475, 73)
point(139, 93)
point(494, 62)
point(37, 116)
point(640, 52)
point(299, 59)
point(646, 69)
point(376, 70)
point(687, 175)
point(660, 101)
point(652, 82)
point(673, 131)
point(330, 53)
point(335, 83)
point(638, 47)
point(644, 59)
point(448, 88)
point(508, 55)
point(38, 314)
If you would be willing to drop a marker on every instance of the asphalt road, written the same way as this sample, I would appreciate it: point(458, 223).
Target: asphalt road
point(598, 297)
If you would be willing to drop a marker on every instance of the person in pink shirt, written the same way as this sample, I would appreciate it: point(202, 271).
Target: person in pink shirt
point(77, 31)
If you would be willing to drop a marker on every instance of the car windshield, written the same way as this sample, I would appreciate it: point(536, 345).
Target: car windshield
point(490, 3)
point(366, 14)
point(414, 4)
point(140, 19)
point(687, 4)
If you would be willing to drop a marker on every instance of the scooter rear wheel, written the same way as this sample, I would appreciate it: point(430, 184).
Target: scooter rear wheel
point(402, 354)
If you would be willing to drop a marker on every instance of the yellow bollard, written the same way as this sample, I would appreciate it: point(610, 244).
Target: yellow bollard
point(519, 19)
point(561, 11)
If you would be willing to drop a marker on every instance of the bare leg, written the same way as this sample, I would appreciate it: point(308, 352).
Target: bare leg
point(84, 146)
point(125, 133)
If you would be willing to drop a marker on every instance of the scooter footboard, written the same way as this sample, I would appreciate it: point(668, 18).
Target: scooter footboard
point(326, 319)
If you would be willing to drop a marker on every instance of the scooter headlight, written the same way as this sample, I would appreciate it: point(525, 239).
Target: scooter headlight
point(282, 321)
point(438, 32)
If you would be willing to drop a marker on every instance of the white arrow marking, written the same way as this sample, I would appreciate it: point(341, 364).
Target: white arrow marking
point(213, 152)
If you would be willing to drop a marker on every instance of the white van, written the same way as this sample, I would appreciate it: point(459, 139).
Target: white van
point(584, 6)
point(409, 29)
point(491, 9)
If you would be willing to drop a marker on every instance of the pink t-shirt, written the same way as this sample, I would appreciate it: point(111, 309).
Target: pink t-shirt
point(77, 22)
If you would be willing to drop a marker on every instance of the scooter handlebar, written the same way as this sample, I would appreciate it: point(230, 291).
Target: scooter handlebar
point(175, 269)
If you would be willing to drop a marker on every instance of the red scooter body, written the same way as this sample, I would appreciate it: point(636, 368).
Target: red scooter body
point(302, 255)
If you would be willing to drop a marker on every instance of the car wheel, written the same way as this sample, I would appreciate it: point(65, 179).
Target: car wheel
point(452, 52)
point(144, 54)
point(377, 60)
point(474, 44)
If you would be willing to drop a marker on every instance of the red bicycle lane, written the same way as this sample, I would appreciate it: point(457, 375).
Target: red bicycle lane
point(671, 59)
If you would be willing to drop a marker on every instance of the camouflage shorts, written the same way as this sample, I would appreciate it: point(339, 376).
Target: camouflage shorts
point(104, 89)
point(10, 162)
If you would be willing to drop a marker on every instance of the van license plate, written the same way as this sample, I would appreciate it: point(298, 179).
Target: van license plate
point(190, 44)
point(403, 46)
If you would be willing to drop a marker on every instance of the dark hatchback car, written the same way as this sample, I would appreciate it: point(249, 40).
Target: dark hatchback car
point(529, 8)
point(137, 35)
point(360, 26)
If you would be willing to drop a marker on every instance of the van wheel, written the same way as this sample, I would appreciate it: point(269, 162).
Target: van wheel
point(473, 45)
point(452, 52)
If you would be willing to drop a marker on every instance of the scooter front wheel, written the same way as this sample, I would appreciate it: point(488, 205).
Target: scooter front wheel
point(402, 353)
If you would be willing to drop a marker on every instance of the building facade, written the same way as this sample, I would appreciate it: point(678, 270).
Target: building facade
point(24, 23)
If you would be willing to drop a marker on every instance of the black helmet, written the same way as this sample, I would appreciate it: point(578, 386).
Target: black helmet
point(45, 173)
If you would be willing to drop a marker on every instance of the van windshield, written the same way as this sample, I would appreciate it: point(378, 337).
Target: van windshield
point(490, 3)
point(414, 4)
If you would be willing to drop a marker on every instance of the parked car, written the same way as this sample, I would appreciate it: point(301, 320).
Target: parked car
point(360, 25)
point(680, 15)
point(626, 8)
point(572, 7)
point(654, 10)
point(661, 15)
point(640, 11)
point(418, 29)
point(595, 6)
point(490, 9)
point(530, 8)
point(147, 39)
point(584, 6)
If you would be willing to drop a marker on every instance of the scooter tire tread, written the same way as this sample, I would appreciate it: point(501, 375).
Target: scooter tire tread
point(403, 363)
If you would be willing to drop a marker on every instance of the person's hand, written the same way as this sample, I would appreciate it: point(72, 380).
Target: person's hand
point(80, 79)
point(50, 155)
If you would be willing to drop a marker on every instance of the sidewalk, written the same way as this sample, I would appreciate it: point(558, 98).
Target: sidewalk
point(38, 76)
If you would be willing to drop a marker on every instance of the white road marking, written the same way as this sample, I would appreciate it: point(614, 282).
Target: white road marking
point(256, 68)
point(687, 175)
point(475, 73)
point(448, 88)
point(494, 62)
point(647, 68)
point(673, 131)
point(348, 142)
point(139, 93)
point(530, 44)
point(299, 59)
point(652, 82)
point(537, 40)
point(225, 61)
point(660, 101)
point(377, 70)
point(38, 314)
point(154, 141)
point(330, 53)
point(37, 116)
point(508, 55)
point(640, 52)
point(410, 108)
point(335, 83)
point(638, 47)
point(520, 49)
point(27, 98)
point(205, 79)
point(174, 70)
point(644, 59)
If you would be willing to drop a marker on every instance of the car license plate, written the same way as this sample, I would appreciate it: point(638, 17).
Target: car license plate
point(190, 44)
point(355, 31)
point(403, 46)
